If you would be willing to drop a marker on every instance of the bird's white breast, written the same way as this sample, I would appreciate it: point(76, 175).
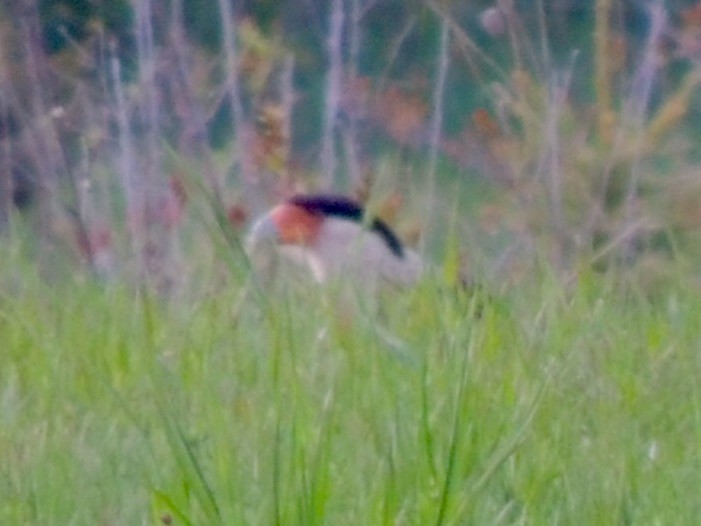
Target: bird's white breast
point(345, 251)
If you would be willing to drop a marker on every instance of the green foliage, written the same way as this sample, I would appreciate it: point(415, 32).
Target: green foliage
point(66, 22)
point(552, 405)
point(202, 22)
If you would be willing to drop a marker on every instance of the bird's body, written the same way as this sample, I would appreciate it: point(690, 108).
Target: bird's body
point(335, 239)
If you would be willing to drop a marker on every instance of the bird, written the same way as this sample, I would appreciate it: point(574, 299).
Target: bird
point(338, 241)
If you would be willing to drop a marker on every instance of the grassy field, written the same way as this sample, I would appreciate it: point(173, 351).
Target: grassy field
point(136, 146)
point(552, 406)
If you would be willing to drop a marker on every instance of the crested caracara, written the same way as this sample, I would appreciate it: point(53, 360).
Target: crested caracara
point(335, 238)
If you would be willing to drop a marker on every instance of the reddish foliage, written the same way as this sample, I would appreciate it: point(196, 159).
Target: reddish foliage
point(485, 124)
point(689, 37)
point(177, 187)
point(691, 16)
point(237, 216)
point(170, 208)
point(93, 242)
point(167, 211)
point(484, 147)
point(390, 207)
point(401, 115)
point(356, 96)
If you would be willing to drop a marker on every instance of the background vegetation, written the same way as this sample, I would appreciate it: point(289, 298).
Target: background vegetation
point(547, 149)
point(559, 128)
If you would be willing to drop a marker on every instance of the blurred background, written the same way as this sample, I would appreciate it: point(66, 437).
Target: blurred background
point(493, 134)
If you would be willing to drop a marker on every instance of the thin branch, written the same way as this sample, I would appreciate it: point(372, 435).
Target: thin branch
point(333, 95)
point(393, 52)
point(248, 178)
point(127, 164)
point(602, 64)
point(194, 118)
point(640, 100)
point(147, 73)
point(437, 120)
point(287, 100)
point(350, 132)
point(466, 45)
point(550, 161)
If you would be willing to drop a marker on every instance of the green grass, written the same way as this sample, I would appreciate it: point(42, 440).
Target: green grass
point(554, 406)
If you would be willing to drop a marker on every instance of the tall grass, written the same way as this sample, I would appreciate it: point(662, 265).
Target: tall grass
point(573, 406)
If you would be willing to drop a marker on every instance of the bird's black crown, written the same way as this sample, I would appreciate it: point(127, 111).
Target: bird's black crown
point(345, 208)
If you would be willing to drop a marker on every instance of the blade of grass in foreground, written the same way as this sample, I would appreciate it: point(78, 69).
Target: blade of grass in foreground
point(183, 452)
point(160, 501)
point(190, 467)
point(425, 423)
point(277, 512)
point(456, 430)
point(512, 444)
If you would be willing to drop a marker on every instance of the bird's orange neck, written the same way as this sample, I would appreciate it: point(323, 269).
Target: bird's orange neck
point(296, 226)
